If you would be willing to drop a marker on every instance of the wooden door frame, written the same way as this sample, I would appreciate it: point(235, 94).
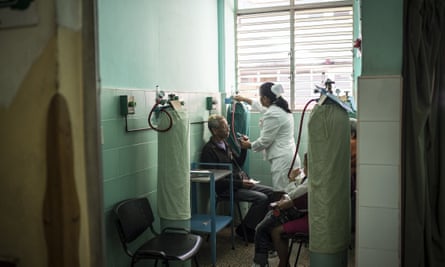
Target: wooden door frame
point(92, 133)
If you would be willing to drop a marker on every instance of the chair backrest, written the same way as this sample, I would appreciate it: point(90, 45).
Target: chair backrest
point(134, 217)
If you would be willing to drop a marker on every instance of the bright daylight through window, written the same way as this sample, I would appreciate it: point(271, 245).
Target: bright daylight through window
point(298, 43)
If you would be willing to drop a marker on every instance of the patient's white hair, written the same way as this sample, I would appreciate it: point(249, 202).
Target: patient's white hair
point(214, 121)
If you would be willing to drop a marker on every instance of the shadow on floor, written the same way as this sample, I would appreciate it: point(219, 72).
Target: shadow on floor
point(242, 255)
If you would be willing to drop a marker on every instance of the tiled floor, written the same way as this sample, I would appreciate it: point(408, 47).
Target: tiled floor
point(242, 255)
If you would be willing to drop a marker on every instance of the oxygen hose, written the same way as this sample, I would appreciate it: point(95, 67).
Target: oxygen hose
point(233, 124)
point(161, 110)
point(299, 136)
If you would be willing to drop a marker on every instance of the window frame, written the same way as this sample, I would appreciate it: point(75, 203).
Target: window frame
point(292, 9)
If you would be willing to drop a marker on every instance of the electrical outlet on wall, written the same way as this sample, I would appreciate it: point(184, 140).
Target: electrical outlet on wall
point(210, 103)
point(131, 105)
point(127, 105)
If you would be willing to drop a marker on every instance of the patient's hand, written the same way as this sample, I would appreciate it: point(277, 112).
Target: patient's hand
point(294, 174)
point(285, 204)
point(245, 144)
point(247, 183)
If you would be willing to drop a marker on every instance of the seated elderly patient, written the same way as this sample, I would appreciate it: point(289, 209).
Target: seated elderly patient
point(269, 230)
point(217, 150)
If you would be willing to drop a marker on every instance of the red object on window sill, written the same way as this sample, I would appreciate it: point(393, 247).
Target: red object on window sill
point(358, 44)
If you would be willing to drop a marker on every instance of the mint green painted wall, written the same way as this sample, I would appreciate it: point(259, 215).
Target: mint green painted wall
point(382, 55)
point(382, 31)
point(130, 158)
point(168, 43)
point(141, 44)
point(229, 45)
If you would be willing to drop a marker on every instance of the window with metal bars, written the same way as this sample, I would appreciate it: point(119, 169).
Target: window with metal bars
point(298, 44)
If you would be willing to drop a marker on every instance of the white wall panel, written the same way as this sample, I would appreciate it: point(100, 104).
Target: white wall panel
point(378, 230)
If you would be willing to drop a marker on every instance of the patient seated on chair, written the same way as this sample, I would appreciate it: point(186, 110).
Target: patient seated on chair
point(288, 215)
point(217, 150)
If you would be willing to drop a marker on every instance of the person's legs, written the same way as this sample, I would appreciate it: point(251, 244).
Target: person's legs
point(258, 196)
point(263, 242)
point(267, 190)
point(300, 225)
point(280, 244)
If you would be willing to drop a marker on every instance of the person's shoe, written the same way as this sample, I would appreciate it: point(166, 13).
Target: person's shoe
point(272, 254)
point(259, 265)
point(250, 233)
point(239, 231)
point(260, 257)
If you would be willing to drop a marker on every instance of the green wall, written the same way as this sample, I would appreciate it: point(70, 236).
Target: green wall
point(173, 44)
point(379, 115)
point(382, 30)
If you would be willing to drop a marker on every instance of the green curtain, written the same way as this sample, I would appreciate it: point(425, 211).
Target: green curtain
point(423, 209)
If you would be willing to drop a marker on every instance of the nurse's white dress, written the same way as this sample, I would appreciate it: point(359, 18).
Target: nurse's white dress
point(277, 142)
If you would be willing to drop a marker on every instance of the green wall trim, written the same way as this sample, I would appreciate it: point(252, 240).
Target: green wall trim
point(382, 31)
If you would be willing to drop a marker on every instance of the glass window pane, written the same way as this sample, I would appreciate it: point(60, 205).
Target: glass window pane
point(322, 45)
point(323, 49)
point(305, 2)
point(247, 4)
point(263, 45)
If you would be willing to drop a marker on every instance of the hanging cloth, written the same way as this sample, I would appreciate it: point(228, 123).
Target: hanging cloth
point(329, 171)
point(174, 166)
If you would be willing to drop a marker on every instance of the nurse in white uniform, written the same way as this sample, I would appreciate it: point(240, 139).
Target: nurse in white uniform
point(276, 132)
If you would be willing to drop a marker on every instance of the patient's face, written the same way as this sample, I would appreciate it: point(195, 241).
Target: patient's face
point(223, 130)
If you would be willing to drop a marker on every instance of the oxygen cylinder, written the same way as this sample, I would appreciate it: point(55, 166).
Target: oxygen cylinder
point(329, 185)
point(174, 166)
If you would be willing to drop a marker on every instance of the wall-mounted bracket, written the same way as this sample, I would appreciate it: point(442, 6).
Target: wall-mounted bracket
point(210, 103)
point(127, 105)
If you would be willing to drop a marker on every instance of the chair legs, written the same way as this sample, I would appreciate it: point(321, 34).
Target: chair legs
point(300, 240)
point(298, 254)
point(240, 215)
point(196, 261)
point(289, 252)
point(166, 262)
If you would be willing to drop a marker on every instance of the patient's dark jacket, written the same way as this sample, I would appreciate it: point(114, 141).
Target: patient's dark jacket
point(212, 153)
